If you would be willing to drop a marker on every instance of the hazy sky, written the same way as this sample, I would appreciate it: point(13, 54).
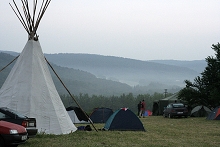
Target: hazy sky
point(137, 29)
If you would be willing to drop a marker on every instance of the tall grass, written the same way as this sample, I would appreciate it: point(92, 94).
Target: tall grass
point(160, 132)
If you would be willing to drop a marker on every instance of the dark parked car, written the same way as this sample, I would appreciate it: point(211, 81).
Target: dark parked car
point(175, 109)
point(11, 134)
point(12, 116)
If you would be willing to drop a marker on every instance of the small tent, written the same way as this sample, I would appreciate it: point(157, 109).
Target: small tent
point(77, 115)
point(101, 115)
point(200, 111)
point(215, 114)
point(124, 120)
point(147, 113)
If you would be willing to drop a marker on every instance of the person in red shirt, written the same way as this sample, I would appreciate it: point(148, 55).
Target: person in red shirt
point(143, 108)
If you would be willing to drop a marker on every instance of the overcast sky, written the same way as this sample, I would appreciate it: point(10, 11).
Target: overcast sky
point(137, 29)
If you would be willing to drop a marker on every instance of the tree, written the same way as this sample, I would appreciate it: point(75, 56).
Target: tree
point(205, 90)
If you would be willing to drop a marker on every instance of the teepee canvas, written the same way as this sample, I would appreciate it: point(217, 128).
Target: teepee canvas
point(29, 88)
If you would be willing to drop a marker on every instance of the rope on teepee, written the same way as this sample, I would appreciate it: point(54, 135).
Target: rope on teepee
point(9, 63)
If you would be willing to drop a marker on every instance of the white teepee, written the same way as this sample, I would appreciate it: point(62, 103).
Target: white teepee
point(30, 90)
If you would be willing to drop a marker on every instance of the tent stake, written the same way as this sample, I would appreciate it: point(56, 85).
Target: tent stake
point(70, 93)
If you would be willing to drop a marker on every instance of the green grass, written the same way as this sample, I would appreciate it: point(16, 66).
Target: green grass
point(160, 132)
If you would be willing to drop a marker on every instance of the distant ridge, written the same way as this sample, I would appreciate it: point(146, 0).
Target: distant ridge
point(149, 75)
point(130, 71)
point(77, 81)
point(197, 65)
point(10, 52)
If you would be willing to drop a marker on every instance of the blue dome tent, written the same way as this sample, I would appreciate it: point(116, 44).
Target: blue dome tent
point(124, 120)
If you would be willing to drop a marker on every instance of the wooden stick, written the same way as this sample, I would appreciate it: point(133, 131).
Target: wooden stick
point(34, 11)
point(22, 22)
point(39, 14)
point(70, 93)
point(28, 15)
point(43, 11)
point(19, 13)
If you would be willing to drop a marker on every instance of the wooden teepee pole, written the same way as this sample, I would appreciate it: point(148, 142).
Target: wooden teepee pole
point(70, 93)
point(20, 19)
point(30, 23)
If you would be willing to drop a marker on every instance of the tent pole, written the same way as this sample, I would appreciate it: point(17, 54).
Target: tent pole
point(71, 94)
point(9, 63)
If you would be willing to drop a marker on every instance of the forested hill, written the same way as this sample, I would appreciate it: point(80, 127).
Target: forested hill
point(129, 71)
point(108, 75)
point(77, 81)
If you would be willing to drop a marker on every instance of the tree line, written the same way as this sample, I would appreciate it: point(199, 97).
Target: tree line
point(88, 103)
point(203, 91)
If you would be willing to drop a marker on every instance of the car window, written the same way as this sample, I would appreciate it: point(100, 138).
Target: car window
point(169, 106)
point(2, 115)
point(178, 105)
point(17, 113)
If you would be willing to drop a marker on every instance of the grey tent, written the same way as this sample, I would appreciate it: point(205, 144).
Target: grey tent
point(77, 115)
point(158, 105)
point(200, 111)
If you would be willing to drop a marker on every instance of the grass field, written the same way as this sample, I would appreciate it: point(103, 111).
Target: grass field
point(160, 132)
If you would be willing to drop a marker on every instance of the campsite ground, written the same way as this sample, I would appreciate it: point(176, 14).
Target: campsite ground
point(183, 132)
